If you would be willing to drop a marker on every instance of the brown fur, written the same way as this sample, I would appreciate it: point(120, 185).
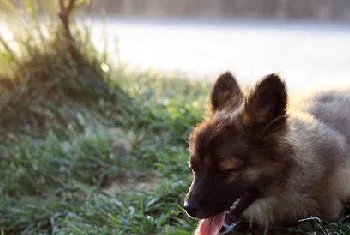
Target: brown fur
point(294, 163)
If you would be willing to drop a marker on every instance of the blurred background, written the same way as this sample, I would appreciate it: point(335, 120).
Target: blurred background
point(271, 9)
point(306, 41)
point(98, 97)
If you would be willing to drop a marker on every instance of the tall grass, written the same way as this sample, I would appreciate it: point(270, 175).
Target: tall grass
point(42, 86)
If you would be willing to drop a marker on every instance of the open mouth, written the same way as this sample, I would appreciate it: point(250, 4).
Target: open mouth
point(225, 221)
point(221, 223)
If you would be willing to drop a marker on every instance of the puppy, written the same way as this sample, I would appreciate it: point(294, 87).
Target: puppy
point(255, 160)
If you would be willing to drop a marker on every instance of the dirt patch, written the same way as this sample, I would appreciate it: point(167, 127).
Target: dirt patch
point(126, 184)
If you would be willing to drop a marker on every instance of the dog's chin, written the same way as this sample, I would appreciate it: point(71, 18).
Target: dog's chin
point(225, 220)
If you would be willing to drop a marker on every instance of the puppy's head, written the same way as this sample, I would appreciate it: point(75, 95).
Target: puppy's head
point(241, 150)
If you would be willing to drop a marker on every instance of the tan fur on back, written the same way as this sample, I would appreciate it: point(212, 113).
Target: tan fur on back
point(321, 182)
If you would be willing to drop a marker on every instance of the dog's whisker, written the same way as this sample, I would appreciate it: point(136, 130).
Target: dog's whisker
point(310, 218)
point(228, 228)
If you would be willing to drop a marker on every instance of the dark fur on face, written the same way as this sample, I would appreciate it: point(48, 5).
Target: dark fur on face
point(240, 152)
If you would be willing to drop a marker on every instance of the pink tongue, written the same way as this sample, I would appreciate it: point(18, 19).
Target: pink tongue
point(212, 225)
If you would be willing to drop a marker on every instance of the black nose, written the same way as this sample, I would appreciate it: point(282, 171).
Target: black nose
point(191, 208)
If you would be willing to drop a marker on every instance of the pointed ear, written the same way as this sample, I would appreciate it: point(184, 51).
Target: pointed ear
point(226, 93)
point(267, 103)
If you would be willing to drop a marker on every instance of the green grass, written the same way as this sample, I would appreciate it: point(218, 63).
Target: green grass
point(81, 160)
point(55, 184)
point(88, 151)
